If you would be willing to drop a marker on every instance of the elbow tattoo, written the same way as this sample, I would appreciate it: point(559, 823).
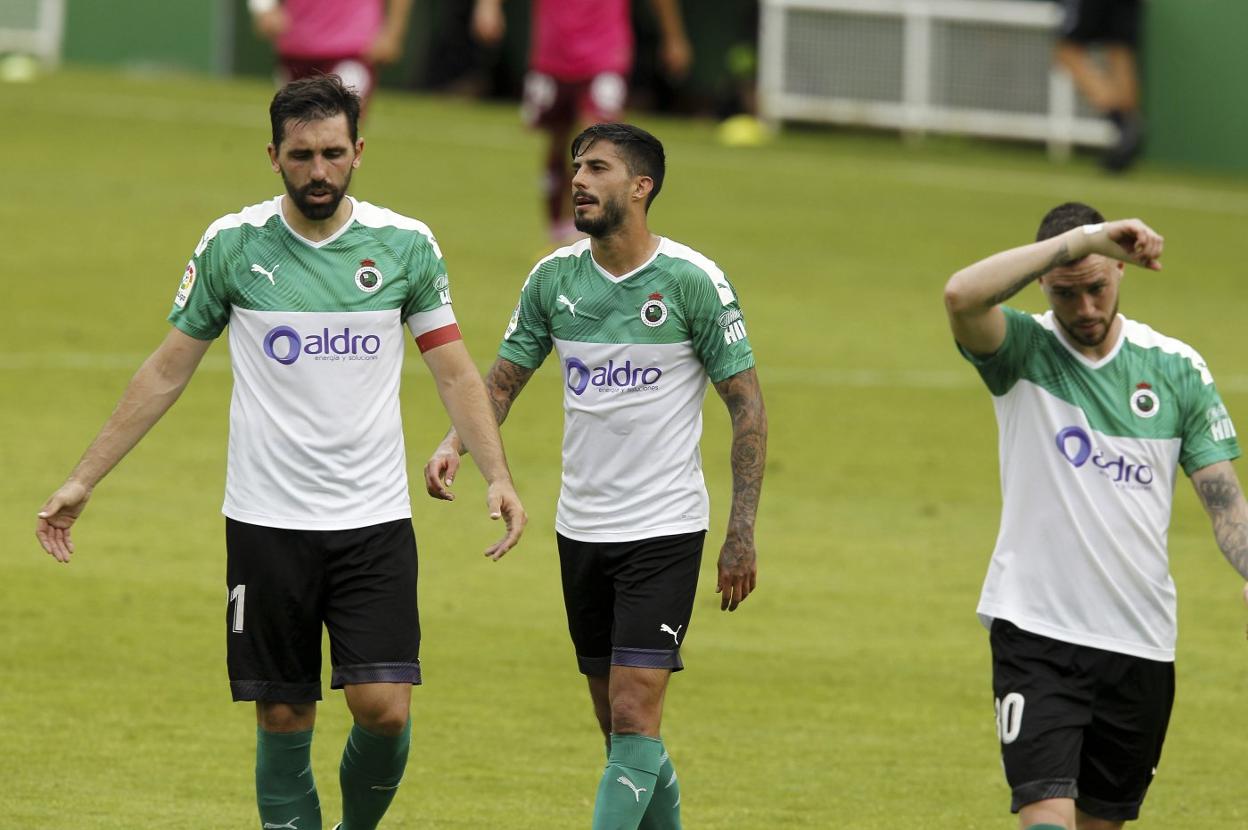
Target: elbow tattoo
point(1226, 506)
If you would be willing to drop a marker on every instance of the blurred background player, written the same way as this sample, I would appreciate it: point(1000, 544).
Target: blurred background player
point(1113, 88)
point(347, 38)
point(580, 57)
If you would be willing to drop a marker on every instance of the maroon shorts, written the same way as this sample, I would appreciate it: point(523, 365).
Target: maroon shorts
point(355, 71)
point(552, 103)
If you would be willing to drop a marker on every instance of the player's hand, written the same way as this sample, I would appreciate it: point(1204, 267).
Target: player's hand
point(488, 22)
point(738, 572)
point(440, 471)
point(505, 504)
point(57, 515)
point(272, 24)
point(676, 55)
point(386, 49)
point(1129, 240)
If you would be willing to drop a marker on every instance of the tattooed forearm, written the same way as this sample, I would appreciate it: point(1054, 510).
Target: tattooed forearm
point(503, 385)
point(744, 400)
point(1062, 257)
point(1224, 501)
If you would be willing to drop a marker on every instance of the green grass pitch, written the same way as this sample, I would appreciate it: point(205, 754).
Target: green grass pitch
point(851, 691)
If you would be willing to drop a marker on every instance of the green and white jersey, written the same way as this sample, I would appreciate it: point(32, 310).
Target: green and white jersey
point(1090, 451)
point(316, 345)
point(636, 353)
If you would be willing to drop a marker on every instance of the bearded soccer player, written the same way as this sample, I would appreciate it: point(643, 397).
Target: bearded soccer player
point(315, 287)
point(580, 57)
point(1097, 413)
point(641, 323)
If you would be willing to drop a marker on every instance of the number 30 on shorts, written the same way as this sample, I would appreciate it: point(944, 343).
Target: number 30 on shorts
point(1009, 711)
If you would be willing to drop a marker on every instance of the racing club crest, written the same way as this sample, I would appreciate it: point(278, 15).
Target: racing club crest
point(368, 278)
point(653, 311)
point(1144, 401)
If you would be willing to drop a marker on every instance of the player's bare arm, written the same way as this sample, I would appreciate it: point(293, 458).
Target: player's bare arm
point(388, 47)
point(463, 394)
point(675, 52)
point(973, 295)
point(150, 393)
point(1223, 498)
point(502, 386)
point(488, 22)
point(738, 568)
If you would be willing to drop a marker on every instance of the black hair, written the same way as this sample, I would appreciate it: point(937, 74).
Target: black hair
point(311, 99)
point(642, 152)
point(1066, 216)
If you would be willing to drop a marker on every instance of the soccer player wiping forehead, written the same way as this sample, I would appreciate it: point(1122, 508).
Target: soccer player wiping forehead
point(316, 288)
point(1096, 414)
point(641, 324)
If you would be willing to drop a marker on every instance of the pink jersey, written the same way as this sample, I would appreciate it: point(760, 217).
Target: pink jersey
point(330, 28)
point(574, 40)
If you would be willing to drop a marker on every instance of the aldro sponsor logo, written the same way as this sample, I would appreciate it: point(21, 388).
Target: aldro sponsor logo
point(1076, 446)
point(612, 377)
point(285, 345)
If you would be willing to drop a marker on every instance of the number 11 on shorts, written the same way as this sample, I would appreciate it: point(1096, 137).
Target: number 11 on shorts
point(238, 596)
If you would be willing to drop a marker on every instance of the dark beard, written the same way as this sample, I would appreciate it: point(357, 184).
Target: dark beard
point(608, 223)
point(1081, 340)
point(316, 212)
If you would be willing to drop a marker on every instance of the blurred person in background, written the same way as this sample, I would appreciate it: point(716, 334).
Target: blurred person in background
point(347, 38)
point(580, 57)
point(1112, 88)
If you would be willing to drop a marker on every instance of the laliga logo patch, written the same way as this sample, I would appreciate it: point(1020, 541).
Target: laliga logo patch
point(368, 278)
point(653, 311)
point(1144, 401)
point(443, 286)
point(184, 288)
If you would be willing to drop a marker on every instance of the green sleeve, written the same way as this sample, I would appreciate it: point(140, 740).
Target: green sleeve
point(527, 340)
point(1207, 432)
point(428, 284)
point(201, 307)
point(1002, 369)
point(717, 329)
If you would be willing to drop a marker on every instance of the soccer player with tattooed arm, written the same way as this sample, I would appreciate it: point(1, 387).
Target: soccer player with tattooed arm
point(316, 289)
point(641, 324)
point(1097, 413)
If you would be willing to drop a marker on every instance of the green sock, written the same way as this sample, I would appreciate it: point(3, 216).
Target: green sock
point(664, 810)
point(627, 783)
point(372, 767)
point(285, 790)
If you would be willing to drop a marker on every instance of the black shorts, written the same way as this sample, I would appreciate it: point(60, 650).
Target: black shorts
point(1101, 21)
point(1078, 722)
point(629, 603)
point(283, 584)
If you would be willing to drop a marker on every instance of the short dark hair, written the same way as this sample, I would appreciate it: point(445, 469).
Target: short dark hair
point(642, 152)
point(1066, 216)
point(311, 99)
